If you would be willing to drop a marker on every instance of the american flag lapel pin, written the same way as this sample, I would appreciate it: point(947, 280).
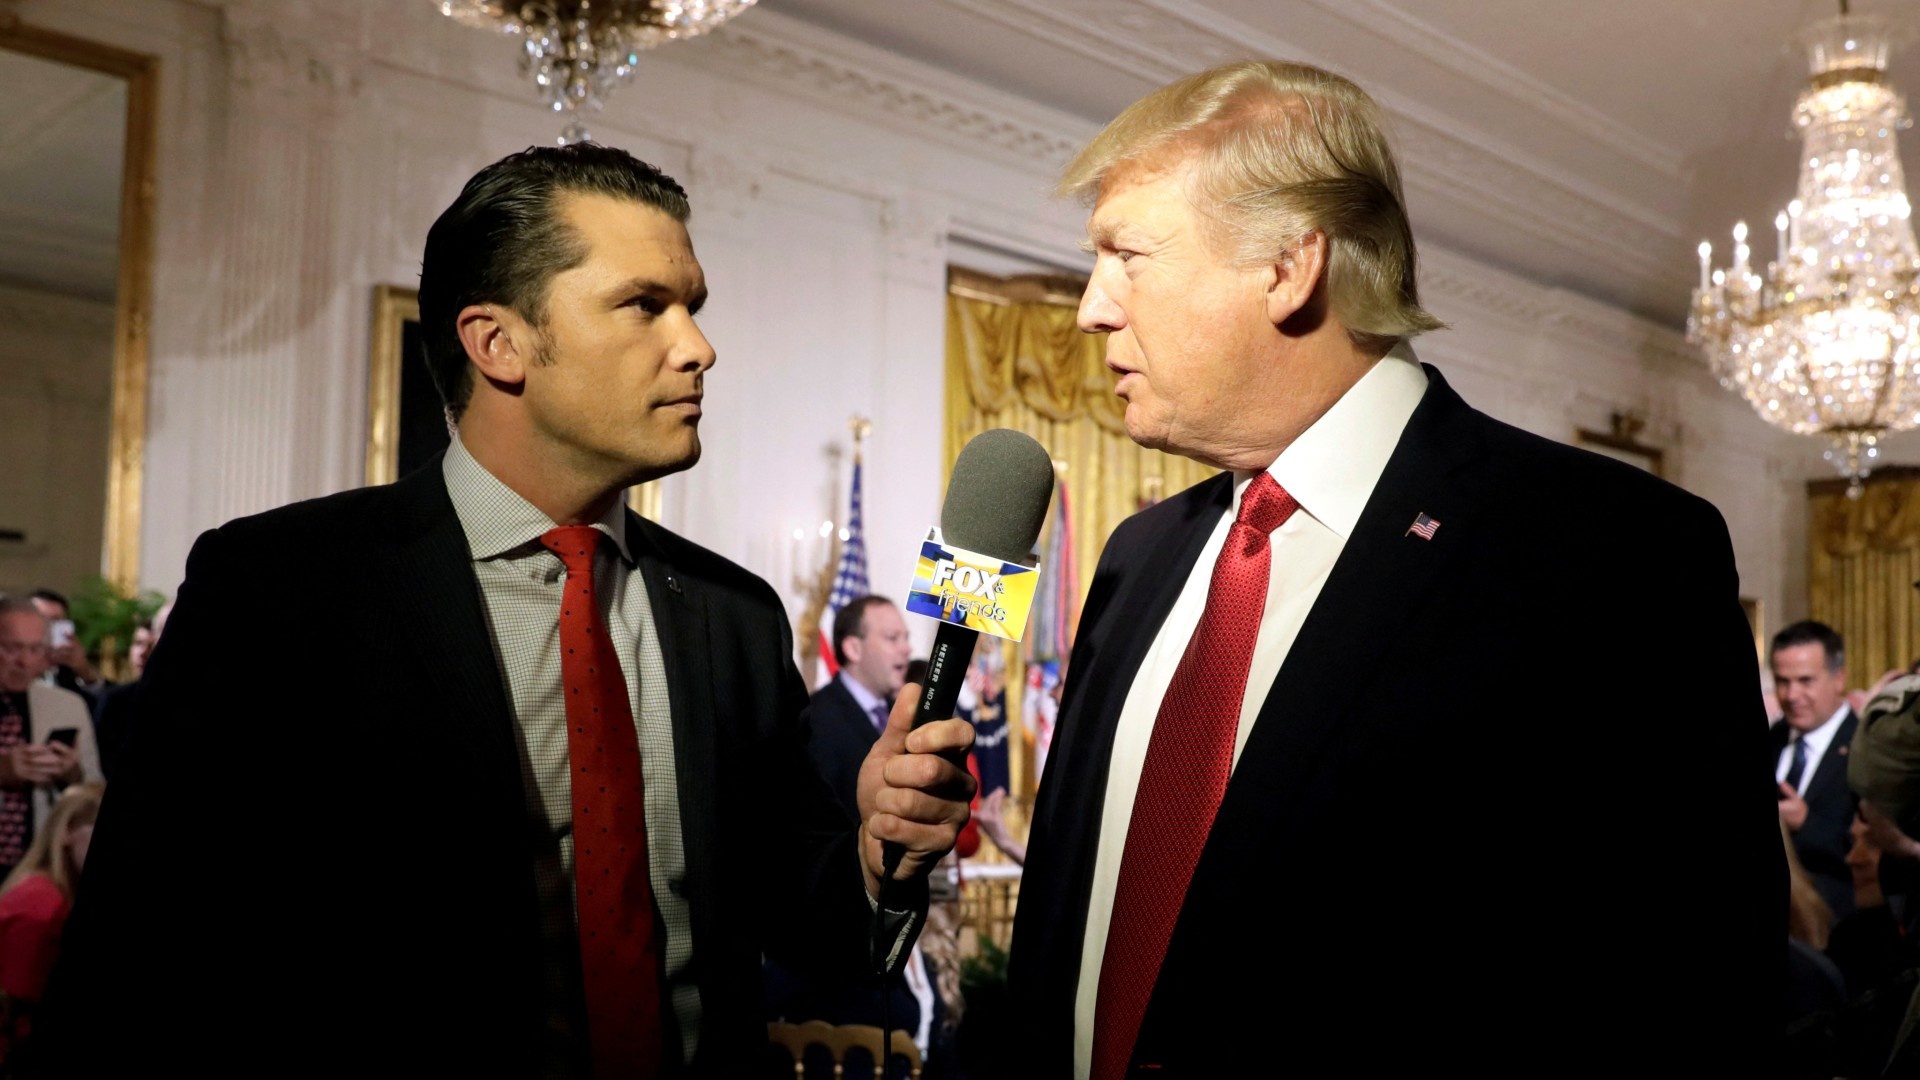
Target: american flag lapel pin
point(1423, 526)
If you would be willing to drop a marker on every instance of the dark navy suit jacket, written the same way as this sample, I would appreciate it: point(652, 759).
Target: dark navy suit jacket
point(1432, 852)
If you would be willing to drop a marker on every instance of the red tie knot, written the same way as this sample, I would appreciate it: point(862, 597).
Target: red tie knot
point(575, 544)
point(1266, 505)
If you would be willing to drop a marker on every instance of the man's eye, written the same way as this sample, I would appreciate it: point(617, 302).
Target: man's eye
point(649, 304)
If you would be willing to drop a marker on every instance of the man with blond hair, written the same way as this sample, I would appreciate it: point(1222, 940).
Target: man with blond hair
point(1319, 744)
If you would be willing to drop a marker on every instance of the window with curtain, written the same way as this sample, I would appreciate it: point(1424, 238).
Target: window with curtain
point(1864, 557)
point(1016, 359)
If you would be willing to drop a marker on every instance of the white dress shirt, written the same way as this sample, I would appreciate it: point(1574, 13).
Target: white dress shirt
point(1817, 742)
point(866, 699)
point(1331, 471)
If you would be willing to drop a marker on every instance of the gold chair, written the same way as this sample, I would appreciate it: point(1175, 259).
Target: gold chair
point(838, 1039)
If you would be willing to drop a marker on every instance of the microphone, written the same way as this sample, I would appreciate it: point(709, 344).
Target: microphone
point(976, 575)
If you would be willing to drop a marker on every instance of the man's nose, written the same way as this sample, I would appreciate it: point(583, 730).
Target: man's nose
point(694, 352)
point(1099, 313)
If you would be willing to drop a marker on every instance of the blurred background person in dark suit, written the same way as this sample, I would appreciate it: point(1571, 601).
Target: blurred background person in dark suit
point(871, 645)
point(1810, 745)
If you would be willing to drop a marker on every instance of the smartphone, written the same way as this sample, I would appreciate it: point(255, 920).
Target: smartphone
point(66, 736)
point(62, 633)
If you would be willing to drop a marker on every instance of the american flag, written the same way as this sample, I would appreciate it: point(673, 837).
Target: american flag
point(1050, 632)
point(849, 580)
point(1424, 526)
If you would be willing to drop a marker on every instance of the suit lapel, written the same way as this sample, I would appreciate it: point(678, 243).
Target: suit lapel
point(1371, 597)
point(1105, 661)
point(437, 615)
point(1831, 774)
point(679, 608)
point(1159, 574)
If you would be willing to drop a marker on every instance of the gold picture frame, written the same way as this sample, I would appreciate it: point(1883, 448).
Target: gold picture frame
point(1622, 443)
point(1755, 612)
point(394, 307)
point(133, 293)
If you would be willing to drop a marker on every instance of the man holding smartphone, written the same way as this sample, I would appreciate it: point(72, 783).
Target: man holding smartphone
point(46, 736)
point(72, 668)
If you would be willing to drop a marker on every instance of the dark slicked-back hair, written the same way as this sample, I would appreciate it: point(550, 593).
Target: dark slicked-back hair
point(503, 240)
point(851, 622)
point(50, 597)
point(1810, 632)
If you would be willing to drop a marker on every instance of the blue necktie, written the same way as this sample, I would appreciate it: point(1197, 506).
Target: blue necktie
point(1799, 767)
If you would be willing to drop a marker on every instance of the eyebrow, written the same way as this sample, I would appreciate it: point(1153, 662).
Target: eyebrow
point(647, 286)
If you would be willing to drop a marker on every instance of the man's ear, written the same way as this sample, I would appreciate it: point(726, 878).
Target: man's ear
point(854, 648)
point(498, 342)
point(1296, 276)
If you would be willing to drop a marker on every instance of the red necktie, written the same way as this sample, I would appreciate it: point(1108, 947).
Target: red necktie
point(613, 895)
point(1189, 758)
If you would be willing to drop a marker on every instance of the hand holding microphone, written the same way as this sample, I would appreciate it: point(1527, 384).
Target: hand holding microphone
point(914, 787)
point(913, 798)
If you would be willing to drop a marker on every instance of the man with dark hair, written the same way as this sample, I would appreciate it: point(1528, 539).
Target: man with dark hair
point(562, 805)
point(72, 668)
point(871, 645)
point(1810, 747)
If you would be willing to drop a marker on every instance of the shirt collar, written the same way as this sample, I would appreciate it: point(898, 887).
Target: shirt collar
point(1819, 737)
point(860, 693)
point(497, 519)
point(1333, 467)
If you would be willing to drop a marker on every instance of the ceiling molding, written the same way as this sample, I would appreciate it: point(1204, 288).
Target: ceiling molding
point(1489, 72)
point(1163, 42)
point(1447, 278)
point(786, 54)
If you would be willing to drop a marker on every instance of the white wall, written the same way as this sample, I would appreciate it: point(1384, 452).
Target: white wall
point(306, 148)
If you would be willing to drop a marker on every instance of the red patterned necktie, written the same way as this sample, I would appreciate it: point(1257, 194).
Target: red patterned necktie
point(16, 802)
point(613, 895)
point(1189, 758)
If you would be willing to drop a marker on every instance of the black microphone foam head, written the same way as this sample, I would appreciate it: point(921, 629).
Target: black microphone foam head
point(997, 499)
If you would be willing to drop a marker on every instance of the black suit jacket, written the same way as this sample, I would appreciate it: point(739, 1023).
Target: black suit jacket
point(1426, 856)
point(1823, 840)
point(840, 735)
point(318, 858)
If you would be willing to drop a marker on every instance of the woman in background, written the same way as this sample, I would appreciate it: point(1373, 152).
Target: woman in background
point(34, 901)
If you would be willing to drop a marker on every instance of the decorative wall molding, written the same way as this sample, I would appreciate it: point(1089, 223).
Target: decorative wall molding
point(260, 56)
point(1447, 279)
point(788, 55)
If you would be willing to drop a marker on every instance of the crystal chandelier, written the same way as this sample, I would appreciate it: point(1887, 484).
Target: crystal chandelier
point(1825, 339)
point(578, 51)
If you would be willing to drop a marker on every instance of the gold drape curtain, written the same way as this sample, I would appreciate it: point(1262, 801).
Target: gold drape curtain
point(1865, 557)
point(1015, 359)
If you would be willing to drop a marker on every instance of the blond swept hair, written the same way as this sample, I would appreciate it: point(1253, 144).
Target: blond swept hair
point(1277, 150)
point(77, 806)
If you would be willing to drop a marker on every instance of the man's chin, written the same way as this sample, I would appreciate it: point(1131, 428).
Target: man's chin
point(1150, 435)
point(657, 465)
